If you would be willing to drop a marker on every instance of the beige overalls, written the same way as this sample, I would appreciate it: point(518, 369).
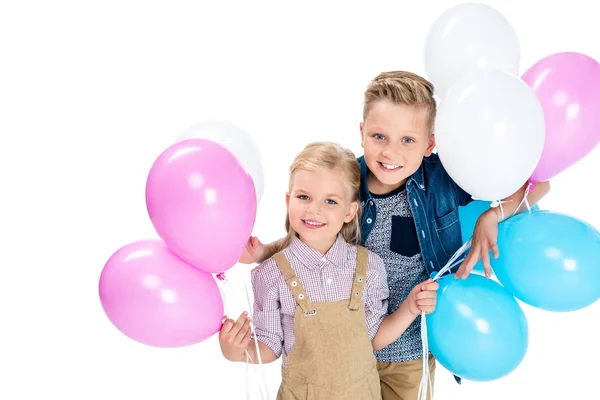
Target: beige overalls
point(332, 357)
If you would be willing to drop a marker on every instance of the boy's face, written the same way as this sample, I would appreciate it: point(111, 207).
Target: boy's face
point(319, 203)
point(395, 138)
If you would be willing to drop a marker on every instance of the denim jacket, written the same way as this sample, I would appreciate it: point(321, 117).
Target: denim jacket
point(434, 199)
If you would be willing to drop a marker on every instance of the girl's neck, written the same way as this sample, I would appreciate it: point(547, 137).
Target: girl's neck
point(322, 246)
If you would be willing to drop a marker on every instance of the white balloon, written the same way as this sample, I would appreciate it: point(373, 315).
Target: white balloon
point(237, 141)
point(490, 133)
point(469, 36)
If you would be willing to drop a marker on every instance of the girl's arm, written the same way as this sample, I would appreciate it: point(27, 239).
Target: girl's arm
point(236, 337)
point(385, 329)
point(393, 326)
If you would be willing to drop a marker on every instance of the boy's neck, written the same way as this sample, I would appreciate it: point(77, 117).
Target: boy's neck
point(375, 186)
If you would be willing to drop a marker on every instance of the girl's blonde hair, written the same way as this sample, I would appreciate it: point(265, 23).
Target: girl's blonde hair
point(402, 87)
point(327, 156)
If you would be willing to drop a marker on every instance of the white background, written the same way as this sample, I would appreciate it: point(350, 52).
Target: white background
point(92, 92)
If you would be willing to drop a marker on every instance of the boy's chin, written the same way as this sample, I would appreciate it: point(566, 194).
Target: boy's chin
point(391, 179)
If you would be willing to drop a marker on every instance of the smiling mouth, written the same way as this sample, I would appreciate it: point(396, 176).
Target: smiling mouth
point(313, 224)
point(389, 167)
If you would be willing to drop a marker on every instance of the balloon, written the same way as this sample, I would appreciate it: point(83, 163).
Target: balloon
point(237, 141)
point(568, 88)
point(478, 330)
point(490, 134)
point(469, 36)
point(155, 298)
point(549, 260)
point(202, 203)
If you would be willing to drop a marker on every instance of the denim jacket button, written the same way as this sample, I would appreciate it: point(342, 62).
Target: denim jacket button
point(369, 220)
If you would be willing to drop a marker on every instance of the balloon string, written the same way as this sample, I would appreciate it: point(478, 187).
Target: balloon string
point(258, 368)
point(528, 189)
point(221, 281)
point(426, 383)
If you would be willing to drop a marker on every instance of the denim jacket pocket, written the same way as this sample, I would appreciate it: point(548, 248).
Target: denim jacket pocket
point(447, 229)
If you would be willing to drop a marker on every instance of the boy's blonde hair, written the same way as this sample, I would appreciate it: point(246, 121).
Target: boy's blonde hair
point(402, 87)
point(328, 156)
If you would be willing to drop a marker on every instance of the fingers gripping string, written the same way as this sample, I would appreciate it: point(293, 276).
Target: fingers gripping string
point(426, 384)
point(258, 371)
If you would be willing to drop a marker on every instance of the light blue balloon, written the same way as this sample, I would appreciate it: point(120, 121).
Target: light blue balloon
point(468, 216)
point(478, 331)
point(549, 260)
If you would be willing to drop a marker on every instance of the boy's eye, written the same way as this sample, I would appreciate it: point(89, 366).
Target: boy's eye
point(408, 140)
point(329, 201)
point(303, 197)
point(379, 136)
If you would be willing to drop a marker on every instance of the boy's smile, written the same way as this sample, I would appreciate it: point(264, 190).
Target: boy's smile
point(395, 138)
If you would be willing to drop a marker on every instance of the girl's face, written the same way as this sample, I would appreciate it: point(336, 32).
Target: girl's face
point(319, 203)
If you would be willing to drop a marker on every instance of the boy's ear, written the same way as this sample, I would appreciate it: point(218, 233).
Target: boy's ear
point(362, 135)
point(430, 146)
point(287, 200)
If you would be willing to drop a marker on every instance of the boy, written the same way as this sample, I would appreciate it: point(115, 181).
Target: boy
point(410, 212)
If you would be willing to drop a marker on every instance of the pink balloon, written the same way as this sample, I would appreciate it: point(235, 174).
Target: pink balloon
point(568, 88)
point(155, 298)
point(202, 203)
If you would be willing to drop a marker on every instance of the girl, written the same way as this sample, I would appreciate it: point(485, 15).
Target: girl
point(320, 301)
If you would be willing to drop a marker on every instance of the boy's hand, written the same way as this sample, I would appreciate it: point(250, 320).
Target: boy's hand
point(254, 251)
point(423, 297)
point(485, 236)
point(235, 337)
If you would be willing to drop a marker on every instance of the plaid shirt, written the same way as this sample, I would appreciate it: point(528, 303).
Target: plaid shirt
point(324, 278)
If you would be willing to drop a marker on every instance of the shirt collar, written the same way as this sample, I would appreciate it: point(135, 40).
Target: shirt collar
point(313, 259)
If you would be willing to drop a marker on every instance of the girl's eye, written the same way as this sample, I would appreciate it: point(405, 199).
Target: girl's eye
point(329, 201)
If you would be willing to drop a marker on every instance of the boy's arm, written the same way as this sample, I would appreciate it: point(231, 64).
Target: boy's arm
point(510, 204)
point(256, 251)
point(485, 234)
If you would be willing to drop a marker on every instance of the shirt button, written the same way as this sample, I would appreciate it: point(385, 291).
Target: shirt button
point(369, 220)
point(329, 280)
point(323, 260)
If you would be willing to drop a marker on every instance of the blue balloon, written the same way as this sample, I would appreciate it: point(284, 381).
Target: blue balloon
point(549, 260)
point(478, 331)
point(468, 216)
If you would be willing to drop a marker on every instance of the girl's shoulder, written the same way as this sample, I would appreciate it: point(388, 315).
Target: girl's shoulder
point(267, 271)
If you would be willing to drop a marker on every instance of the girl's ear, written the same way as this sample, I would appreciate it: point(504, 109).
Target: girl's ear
point(351, 212)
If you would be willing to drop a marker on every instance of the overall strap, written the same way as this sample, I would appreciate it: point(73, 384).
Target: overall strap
point(293, 283)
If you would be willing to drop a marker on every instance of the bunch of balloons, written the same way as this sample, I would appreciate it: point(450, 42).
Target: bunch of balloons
point(495, 131)
point(201, 194)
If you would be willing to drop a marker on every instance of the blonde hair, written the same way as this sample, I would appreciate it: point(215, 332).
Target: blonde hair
point(402, 87)
point(328, 156)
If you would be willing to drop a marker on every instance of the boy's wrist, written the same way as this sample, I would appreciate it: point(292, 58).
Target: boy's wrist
point(493, 214)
